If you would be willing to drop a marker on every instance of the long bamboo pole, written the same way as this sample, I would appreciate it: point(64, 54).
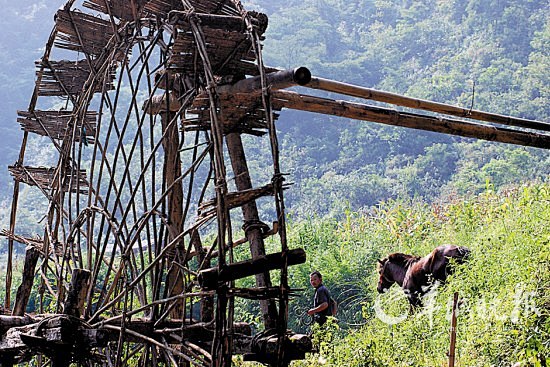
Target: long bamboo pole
point(399, 100)
point(386, 116)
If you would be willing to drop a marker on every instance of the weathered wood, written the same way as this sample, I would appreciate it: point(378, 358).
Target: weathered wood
point(277, 80)
point(206, 303)
point(209, 278)
point(160, 103)
point(230, 52)
point(264, 349)
point(27, 280)
point(8, 322)
point(80, 282)
point(266, 232)
point(216, 21)
point(236, 199)
point(43, 177)
point(172, 171)
point(428, 123)
point(54, 124)
point(78, 31)
point(121, 9)
point(399, 100)
point(62, 78)
point(253, 230)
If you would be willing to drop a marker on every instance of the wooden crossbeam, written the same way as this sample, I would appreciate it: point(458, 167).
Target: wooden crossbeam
point(236, 199)
point(54, 124)
point(209, 278)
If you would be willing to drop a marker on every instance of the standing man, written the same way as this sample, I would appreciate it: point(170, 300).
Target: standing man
point(321, 299)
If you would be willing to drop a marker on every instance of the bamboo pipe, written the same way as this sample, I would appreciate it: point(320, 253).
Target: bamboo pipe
point(386, 116)
point(396, 99)
point(276, 80)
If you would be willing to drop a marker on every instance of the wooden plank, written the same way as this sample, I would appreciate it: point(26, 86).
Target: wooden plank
point(414, 121)
point(209, 278)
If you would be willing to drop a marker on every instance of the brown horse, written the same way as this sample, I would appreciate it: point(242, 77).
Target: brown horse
point(416, 274)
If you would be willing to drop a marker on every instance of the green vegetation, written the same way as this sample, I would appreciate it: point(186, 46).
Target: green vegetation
point(504, 314)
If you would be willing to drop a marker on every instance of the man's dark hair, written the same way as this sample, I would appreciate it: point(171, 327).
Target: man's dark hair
point(317, 274)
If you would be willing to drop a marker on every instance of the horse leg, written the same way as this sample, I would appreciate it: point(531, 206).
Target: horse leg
point(415, 302)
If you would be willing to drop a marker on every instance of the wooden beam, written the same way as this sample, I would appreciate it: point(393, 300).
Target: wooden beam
point(74, 304)
point(252, 228)
point(209, 278)
point(399, 100)
point(226, 23)
point(386, 116)
point(27, 280)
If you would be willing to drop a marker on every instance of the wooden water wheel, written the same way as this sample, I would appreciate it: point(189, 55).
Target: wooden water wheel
point(122, 273)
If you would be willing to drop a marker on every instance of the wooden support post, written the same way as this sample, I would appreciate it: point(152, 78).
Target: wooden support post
point(253, 232)
point(209, 278)
point(172, 170)
point(453, 332)
point(74, 304)
point(27, 280)
point(206, 303)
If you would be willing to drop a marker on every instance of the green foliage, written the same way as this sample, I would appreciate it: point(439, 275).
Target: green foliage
point(504, 308)
point(487, 55)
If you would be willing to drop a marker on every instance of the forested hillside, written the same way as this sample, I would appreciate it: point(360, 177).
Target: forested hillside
point(490, 55)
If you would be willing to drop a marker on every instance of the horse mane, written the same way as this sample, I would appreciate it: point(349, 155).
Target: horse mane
point(402, 260)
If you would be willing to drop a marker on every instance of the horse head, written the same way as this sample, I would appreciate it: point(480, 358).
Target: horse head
point(385, 281)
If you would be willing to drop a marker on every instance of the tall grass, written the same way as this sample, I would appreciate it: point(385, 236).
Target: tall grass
point(504, 288)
